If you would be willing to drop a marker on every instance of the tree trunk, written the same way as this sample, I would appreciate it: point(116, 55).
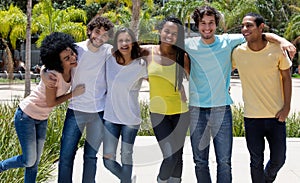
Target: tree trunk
point(28, 50)
point(135, 17)
point(9, 60)
point(102, 10)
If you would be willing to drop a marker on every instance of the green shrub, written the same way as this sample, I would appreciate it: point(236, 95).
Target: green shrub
point(296, 75)
point(238, 121)
point(293, 125)
point(10, 145)
point(9, 142)
point(146, 127)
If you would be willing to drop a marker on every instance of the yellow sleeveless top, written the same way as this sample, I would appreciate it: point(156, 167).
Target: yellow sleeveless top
point(163, 97)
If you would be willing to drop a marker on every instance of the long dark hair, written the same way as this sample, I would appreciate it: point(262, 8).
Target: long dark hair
point(136, 50)
point(179, 47)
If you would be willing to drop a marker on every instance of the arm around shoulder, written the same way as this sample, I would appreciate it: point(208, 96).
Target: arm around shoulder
point(285, 45)
point(49, 78)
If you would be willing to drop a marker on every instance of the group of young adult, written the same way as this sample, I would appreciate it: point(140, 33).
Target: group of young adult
point(107, 105)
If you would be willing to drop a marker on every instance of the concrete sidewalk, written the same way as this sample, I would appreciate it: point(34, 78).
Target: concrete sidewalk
point(147, 159)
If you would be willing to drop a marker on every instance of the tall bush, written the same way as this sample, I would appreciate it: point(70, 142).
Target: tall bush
point(9, 144)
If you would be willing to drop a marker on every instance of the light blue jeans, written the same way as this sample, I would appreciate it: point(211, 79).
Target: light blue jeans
point(215, 123)
point(111, 138)
point(74, 125)
point(32, 135)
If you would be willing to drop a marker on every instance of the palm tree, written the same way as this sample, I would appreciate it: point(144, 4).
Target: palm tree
point(233, 12)
point(144, 8)
point(13, 23)
point(135, 16)
point(182, 10)
point(276, 14)
point(147, 32)
point(48, 20)
point(121, 15)
point(28, 50)
point(293, 29)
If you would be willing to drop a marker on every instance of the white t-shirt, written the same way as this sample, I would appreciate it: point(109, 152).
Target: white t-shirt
point(91, 72)
point(123, 86)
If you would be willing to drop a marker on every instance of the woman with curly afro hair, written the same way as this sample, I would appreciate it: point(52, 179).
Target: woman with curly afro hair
point(58, 54)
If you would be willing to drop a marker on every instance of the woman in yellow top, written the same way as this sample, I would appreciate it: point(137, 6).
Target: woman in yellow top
point(167, 66)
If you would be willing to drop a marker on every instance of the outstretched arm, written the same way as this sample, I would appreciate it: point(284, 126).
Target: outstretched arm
point(285, 45)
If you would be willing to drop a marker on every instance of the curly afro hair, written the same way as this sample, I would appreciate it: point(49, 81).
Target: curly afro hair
point(52, 46)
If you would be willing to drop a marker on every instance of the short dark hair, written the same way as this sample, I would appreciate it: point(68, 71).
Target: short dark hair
point(98, 22)
point(52, 46)
point(136, 50)
point(205, 10)
point(258, 18)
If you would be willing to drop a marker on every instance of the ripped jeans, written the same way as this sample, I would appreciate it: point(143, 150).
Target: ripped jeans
point(112, 134)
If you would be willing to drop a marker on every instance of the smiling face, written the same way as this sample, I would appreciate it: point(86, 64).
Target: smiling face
point(169, 33)
point(68, 58)
point(98, 37)
point(124, 42)
point(207, 28)
point(250, 30)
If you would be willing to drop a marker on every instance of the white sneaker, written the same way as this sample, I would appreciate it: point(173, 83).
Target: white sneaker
point(133, 178)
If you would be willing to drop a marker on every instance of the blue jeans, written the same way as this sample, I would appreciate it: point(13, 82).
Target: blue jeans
point(74, 125)
point(111, 138)
point(170, 132)
point(32, 135)
point(215, 123)
point(256, 129)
